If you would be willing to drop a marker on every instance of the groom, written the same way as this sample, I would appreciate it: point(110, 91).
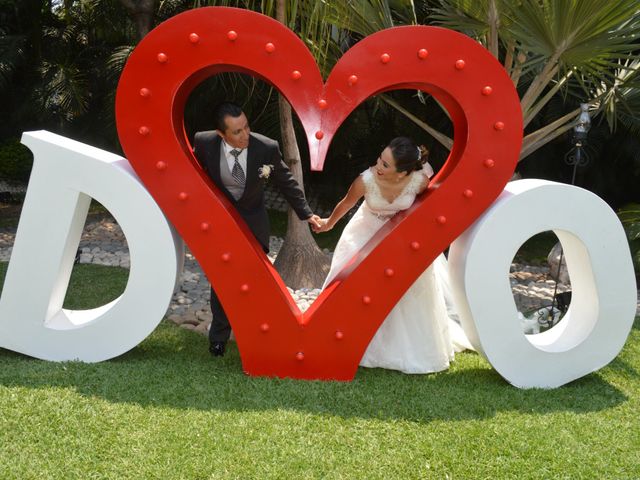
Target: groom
point(237, 161)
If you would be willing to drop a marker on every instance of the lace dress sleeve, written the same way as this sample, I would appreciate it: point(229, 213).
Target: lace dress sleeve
point(367, 179)
point(417, 178)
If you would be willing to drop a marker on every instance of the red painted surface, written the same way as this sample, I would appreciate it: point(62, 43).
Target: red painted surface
point(303, 345)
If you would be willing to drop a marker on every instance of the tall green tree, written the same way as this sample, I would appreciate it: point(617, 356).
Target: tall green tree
point(300, 262)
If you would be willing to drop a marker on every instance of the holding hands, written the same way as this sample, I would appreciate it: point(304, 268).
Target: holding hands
point(355, 193)
point(315, 221)
point(322, 226)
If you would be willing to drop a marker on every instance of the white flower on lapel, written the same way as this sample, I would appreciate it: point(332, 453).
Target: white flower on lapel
point(264, 171)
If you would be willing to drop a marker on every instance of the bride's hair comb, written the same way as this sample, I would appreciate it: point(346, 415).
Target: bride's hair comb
point(423, 154)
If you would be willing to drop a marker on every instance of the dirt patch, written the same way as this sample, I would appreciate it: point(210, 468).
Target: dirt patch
point(10, 215)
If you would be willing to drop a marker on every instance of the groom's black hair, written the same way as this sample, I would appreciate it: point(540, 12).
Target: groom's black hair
point(223, 110)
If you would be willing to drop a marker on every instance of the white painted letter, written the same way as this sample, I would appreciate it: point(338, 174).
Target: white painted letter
point(603, 301)
point(66, 174)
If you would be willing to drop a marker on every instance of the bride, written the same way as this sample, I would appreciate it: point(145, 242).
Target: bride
point(418, 335)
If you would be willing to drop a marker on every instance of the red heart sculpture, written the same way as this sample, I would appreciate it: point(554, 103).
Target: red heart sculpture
point(329, 339)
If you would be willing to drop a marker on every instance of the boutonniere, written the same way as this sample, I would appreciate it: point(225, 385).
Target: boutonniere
point(264, 171)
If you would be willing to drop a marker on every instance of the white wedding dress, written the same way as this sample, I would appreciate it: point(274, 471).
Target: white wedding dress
point(418, 335)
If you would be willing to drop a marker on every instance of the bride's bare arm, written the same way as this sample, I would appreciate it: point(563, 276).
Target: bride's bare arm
point(355, 193)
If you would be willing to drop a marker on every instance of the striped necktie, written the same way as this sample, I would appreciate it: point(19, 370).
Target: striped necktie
point(237, 173)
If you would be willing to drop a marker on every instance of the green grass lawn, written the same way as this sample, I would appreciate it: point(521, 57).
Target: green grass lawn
point(167, 410)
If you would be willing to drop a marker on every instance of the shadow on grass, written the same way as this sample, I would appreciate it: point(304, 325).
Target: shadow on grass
point(172, 369)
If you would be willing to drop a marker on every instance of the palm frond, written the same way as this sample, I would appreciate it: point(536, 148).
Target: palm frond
point(486, 20)
point(466, 16)
point(622, 101)
point(66, 91)
point(117, 60)
point(591, 36)
point(368, 16)
point(11, 56)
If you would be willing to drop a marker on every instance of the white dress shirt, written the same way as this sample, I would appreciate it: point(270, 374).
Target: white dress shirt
point(242, 158)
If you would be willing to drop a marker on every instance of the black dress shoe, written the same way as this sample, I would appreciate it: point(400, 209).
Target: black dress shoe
point(217, 348)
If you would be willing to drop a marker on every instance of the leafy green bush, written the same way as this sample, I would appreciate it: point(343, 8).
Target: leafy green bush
point(15, 161)
point(630, 218)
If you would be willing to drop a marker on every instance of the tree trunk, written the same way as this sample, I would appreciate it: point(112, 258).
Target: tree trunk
point(142, 12)
point(300, 262)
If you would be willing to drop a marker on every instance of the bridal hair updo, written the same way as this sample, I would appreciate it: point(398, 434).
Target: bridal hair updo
point(408, 156)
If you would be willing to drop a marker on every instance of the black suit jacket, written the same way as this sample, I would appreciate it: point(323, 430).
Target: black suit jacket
point(251, 207)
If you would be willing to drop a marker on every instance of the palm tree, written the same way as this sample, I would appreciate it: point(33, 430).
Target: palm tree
point(300, 262)
point(580, 48)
